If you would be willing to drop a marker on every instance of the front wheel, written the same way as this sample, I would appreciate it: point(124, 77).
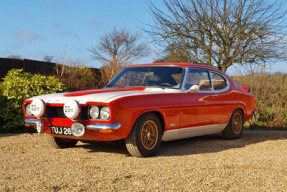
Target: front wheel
point(145, 137)
point(235, 126)
point(60, 142)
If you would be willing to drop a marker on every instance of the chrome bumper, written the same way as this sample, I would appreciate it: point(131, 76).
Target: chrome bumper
point(100, 126)
point(90, 126)
point(36, 123)
point(31, 121)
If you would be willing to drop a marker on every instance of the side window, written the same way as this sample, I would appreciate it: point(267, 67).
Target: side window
point(218, 82)
point(198, 77)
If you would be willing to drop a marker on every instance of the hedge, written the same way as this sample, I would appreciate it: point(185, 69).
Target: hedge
point(18, 86)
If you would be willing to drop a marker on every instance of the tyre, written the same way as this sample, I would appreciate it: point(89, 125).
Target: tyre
point(235, 126)
point(60, 142)
point(145, 137)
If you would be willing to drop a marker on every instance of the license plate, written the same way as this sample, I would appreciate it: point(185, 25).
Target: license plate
point(61, 130)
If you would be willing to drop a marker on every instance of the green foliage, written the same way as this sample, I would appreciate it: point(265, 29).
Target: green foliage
point(2, 102)
point(271, 100)
point(18, 86)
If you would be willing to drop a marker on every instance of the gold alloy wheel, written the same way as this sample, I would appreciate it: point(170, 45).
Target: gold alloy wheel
point(149, 135)
point(237, 123)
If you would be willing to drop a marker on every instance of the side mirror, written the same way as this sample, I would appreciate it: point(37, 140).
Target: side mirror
point(193, 89)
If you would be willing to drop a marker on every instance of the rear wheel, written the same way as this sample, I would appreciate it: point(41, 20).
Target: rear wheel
point(60, 142)
point(145, 137)
point(235, 127)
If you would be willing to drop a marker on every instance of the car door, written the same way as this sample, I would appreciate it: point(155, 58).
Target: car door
point(221, 96)
point(202, 109)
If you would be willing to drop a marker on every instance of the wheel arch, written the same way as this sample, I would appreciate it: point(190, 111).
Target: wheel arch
point(242, 111)
point(160, 117)
point(242, 108)
point(157, 113)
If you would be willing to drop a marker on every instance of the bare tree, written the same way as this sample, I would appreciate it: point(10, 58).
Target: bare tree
point(14, 56)
point(116, 50)
point(176, 53)
point(221, 33)
point(48, 58)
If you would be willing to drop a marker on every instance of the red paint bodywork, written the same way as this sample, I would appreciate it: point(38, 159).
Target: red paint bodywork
point(176, 110)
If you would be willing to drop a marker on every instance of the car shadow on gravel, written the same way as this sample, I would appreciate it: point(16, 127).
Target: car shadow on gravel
point(8, 135)
point(216, 143)
point(106, 147)
point(195, 145)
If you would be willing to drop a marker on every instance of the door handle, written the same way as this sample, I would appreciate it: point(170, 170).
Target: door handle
point(215, 95)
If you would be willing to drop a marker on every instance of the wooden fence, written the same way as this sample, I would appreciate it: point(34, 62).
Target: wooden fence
point(31, 66)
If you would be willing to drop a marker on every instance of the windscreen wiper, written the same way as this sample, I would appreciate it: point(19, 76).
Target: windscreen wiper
point(110, 86)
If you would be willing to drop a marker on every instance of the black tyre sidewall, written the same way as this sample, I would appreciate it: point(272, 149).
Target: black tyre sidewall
point(138, 126)
point(236, 136)
point(228, 132)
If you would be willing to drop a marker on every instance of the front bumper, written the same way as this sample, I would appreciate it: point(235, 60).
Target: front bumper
point(90, 126)
point(31, 122)
point(101, 126)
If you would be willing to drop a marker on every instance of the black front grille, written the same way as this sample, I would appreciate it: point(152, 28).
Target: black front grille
point(53, 112)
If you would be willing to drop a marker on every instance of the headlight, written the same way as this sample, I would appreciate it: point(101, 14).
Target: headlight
point(105, 113)
point(28, 110)
point(94, 112)
point(37, 107)
point(71, 109)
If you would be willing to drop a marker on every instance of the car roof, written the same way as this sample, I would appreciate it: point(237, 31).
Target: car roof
point(192, 65)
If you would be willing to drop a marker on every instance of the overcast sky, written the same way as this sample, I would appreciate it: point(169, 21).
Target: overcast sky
point(66, 29)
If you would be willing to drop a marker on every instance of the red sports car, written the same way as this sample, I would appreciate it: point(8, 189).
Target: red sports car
point(145, 105)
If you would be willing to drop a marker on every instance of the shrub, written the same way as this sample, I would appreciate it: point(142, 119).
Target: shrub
point(2, 105)
point(18, 86)
point(271, 99)
point(77, 77)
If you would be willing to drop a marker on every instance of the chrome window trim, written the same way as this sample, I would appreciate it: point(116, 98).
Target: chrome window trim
point(184, 79)
point(211, 82)
point(227, 87)
point(210, 78)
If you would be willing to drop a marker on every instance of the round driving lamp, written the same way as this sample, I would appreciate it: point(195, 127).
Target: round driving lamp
point(78, 129)
point(105, 113)
point(28, 110)
point(94, 112)
point(37, 107)
point(71, 109)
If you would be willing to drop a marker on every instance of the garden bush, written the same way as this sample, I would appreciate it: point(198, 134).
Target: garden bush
point(78, 77)
point(271, 100)
point(18, 86)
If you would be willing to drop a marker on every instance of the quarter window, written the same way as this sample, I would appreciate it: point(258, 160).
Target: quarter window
point(218, 81)
point(198, 77)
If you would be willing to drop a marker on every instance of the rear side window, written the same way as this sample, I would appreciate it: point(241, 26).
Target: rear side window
point(198, 77)
point(218, 81)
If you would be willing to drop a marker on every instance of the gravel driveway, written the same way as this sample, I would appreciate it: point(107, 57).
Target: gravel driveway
point(257, 162)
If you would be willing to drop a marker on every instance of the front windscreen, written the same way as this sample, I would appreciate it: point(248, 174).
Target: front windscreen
point(149, 76)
